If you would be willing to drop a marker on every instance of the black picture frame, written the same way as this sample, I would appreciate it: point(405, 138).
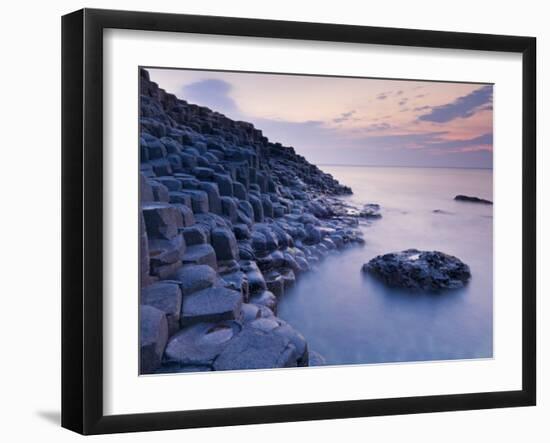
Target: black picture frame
point(82, 215)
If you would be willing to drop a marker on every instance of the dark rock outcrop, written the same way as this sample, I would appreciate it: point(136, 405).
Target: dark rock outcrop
point(466, 198)
point(414, 269)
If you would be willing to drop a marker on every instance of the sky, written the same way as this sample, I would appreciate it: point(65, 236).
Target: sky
point(351, 121)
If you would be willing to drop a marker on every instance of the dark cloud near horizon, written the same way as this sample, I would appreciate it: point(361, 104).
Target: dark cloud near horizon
point(462, 107)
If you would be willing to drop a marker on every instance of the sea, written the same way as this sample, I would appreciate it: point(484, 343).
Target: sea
point(352, 318)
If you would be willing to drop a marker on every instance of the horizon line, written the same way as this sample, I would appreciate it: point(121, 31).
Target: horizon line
point(403, 166)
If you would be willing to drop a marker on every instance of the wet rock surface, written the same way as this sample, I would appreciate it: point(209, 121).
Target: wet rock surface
point(228, 222)
point(414, 269)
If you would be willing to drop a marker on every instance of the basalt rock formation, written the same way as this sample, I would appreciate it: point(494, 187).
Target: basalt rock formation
point(419, 270)
point(228, 222)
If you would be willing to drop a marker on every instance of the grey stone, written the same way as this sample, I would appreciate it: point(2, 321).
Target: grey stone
point(160, 192)
point(245, 250)
point(249, 312)
point(257, 208)
point(225, 184)
point(200, 255)
point(239, 191)
point(266, 299)
point(144, 253)
point(188, 217)
point(275, 283)
point(181, 198)
point(199, 200)
point(241, 232)
point(200, 344)
point(224, 243)
point(193, 278)
point(161, 220)
point(145, 189)
point(211, 305)
point(167, 298)
point(153, 335)
point(171, 183)
point(214, 201)
point(229, 208)
point(414, 269)
point(195, 235)
point(255, 349)
point(238, 281)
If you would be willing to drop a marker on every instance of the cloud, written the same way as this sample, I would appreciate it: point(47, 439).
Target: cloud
point(481, 143)
point(376, 143)
point(213, 93)
point(462, 107)
point(377, 127)
point(344, 116)
point(421, 108)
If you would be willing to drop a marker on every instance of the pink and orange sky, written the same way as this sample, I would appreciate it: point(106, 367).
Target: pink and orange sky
point(350, 121)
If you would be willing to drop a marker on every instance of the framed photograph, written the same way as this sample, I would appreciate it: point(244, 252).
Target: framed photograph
point(268, 221)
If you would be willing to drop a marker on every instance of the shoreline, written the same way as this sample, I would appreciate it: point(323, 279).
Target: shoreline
point(228, 222)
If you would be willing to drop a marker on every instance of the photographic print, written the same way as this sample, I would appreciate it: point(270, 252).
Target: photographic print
point(305, 220)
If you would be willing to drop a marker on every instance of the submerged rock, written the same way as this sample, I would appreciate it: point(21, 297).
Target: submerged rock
point(414, 269)
point(467, 198)
point(370, 210)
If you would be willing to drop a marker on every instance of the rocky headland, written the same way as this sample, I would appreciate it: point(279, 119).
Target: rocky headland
point(228, 222)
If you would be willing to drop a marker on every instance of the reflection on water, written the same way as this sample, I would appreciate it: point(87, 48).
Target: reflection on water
point(351, 318)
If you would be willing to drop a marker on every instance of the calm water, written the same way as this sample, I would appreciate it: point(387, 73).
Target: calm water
point(350, 318)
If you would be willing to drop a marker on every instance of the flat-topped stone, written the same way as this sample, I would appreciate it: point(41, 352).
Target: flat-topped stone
point(256, 349)
point(201, 343)
point(200, 255)
point(211, 305)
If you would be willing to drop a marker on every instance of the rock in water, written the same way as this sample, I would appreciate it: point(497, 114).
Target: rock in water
point(414, 269)
point(370, 210)
point(466, 198)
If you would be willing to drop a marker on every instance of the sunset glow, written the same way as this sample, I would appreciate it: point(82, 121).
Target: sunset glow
point(334, 120)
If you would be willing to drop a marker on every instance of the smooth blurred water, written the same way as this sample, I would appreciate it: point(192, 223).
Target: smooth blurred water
point(351, 318)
